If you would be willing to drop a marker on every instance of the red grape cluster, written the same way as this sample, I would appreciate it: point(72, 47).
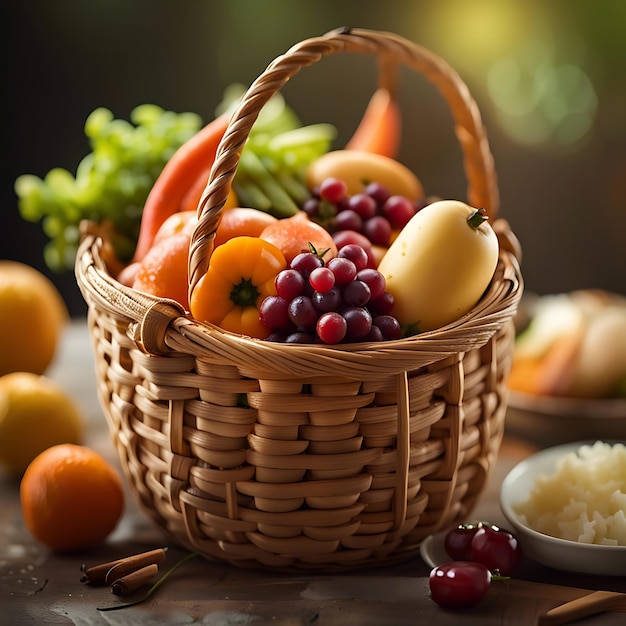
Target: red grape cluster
point(482, 552)
point(343, 300)
point(374, 213)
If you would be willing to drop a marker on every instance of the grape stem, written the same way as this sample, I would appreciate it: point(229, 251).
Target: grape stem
point(320, 254)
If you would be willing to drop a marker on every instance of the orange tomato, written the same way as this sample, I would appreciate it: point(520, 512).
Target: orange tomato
point(163, 271)
point(235, 222)
point(242, 222)
point(128, 273)
point(293, 235)
point(71, 498)
point(182, 222)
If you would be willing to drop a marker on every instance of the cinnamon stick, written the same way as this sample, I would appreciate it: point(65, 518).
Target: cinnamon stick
point(98, 574)
point(135, 580)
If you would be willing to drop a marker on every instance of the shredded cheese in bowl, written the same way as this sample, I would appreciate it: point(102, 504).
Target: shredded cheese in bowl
point(584, 499)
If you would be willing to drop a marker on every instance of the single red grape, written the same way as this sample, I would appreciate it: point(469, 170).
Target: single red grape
point(356, 254)
point(496, 548)
point(378, 192)
point(329, 301)
point(331, 327)
point(302, 313)
point(343, 269)
point(458, 541)
point(398, 210)
point(333, 189)
point(299, 337)
point(343, 238)
point(311, 207)
point(362, 204)
point(289, 283)
point(359, 322)
point(378, 230)
point(383, 305)
point(356, 293)
point(348, 220)
point(273, 312)
point(374, 280)
point(375, 334)
point(322, 279)
point(389, 327)
point(305, 263)
point(459, 584)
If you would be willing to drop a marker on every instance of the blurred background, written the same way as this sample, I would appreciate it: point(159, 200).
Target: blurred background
point(549, 78)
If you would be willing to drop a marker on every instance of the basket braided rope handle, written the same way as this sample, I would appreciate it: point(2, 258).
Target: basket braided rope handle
point(470, 132)
point(392, 51)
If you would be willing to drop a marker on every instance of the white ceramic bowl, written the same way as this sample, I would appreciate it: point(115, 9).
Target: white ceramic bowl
point(559, 554)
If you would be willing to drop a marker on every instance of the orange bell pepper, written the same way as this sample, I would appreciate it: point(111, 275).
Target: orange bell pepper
point(241, 274)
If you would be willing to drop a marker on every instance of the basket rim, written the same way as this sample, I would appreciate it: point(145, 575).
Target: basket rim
point(161, 326)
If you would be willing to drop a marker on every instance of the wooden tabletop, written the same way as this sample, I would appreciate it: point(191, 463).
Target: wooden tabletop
point(38, 587)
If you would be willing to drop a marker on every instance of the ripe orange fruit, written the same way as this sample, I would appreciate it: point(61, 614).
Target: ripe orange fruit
point(293, 235)
point(242, 222)
point(163, 271)
point(32, 318)
point(35, 414)
point(71, 498)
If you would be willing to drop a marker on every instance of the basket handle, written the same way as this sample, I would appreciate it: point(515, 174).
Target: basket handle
point(477, 159)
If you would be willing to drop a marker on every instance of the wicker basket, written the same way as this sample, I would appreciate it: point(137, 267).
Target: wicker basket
point(341, 456)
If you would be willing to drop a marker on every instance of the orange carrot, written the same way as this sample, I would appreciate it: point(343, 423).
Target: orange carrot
point(194, 192)
point(380, 127)
point(182, 171)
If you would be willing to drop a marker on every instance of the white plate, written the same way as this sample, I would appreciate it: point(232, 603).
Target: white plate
point(558, 554)
point(433, 551)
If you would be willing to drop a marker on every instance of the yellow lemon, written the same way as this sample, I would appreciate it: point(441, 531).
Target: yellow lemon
point(35, 414)
point(32, 317)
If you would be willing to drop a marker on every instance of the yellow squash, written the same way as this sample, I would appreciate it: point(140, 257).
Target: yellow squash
point(357, 169)
point(440, 265)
